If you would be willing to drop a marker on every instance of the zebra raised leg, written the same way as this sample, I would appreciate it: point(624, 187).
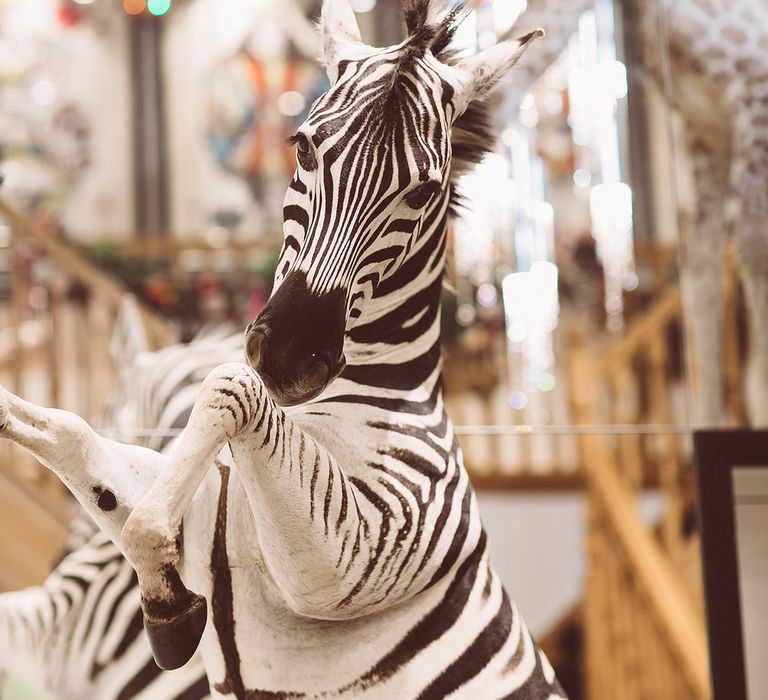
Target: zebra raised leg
point(80, 634)
point(107, 477)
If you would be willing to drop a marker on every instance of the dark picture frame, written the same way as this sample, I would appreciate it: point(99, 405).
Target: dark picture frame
point(717, 454)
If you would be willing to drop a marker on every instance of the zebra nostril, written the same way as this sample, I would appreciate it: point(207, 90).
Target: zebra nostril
point(253, 347)
point(318, 372)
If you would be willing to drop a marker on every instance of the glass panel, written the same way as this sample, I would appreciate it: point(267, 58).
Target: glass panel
point(750, 493)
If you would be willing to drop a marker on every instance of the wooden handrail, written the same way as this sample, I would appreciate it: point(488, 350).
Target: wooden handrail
point(98, 282)
point(156, 246)
point(641, 331)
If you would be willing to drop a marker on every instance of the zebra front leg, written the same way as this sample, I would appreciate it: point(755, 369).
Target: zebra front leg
point(107, 477)
point(175, 617)
point(314, 540)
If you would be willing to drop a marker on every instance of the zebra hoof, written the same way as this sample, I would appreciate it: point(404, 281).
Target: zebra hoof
point(174, 641)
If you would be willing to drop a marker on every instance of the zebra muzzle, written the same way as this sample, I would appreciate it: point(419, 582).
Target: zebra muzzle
point(296, 343)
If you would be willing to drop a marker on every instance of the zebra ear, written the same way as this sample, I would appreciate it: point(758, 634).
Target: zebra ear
point(339, 30)
point(481, 74)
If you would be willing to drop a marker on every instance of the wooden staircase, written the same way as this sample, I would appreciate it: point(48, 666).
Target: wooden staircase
point(639, 632)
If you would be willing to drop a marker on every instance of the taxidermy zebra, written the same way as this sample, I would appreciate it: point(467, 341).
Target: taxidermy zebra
point(313, 528)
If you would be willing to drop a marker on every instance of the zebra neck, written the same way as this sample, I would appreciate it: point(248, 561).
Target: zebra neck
point(397, 339)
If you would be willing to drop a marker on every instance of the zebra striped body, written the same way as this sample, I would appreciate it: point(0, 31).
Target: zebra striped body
point(314, 523)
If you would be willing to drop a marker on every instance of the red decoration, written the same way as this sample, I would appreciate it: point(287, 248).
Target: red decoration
point(160, 291)
point(68, 16)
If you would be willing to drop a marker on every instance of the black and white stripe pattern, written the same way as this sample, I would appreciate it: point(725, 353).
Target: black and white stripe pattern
point(80, 634)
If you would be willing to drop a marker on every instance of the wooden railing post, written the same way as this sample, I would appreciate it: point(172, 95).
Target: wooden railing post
point(668, 464)
point(55, 365)
point(596, 642)
point(18, 295)
point(734, 395)
point(625, 402)
point(597, 628)
point(99, 368)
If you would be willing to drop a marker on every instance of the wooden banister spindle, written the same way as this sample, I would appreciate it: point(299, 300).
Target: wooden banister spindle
point(99, 359)
point(635, 662)
point(650, 679)
point(668, 458)
point(55, 339)
point(596, 644)
point(81, 361)
point(658, 659)
point(626, 400)
point(615, 617)
point(734, 394)
point(18, 300)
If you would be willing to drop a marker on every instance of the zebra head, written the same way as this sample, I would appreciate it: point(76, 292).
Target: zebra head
point(373, 175)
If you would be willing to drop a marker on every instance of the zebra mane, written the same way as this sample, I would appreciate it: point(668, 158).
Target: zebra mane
point(472, 135)
point(436, 36)
point(472, 138)
point(424, 35)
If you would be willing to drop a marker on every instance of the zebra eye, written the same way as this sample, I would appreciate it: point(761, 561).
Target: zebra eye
point(304, 152)
point(420, 197)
